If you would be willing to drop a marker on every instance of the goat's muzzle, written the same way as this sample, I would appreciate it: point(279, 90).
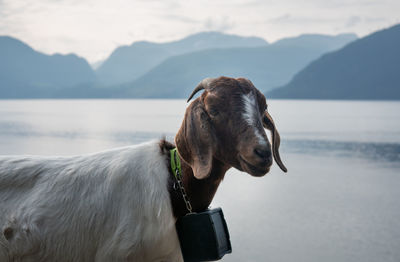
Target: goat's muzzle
point(255, 169)
point(256, 161)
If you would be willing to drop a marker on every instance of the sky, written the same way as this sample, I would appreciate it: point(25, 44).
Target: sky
point(94, 28)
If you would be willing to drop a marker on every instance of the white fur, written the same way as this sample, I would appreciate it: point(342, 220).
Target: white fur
point(108, 206)
point(252, 116)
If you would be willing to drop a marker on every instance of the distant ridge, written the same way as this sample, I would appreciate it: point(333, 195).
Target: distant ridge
point(267, 66)
point(25, 72)
point(368, 68)
point(127, 63)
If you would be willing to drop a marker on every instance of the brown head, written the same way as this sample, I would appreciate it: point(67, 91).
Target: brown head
point(226, 124)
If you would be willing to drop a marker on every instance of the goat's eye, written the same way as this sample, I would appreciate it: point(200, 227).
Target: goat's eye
point(213, 111)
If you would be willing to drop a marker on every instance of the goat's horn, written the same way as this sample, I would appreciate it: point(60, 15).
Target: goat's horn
point(204, 84)
point(270, 125)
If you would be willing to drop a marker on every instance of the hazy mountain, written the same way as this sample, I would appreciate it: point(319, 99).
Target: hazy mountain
point(210, 40)
point(368, 68)
point(127, 63)
point(268, 66)
point(317, 41)
point(25, 72)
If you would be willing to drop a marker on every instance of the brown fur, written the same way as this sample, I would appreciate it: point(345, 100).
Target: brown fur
point(214, 137)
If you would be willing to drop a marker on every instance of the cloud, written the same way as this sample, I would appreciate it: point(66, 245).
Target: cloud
point(219, 24)
point(93, 28)
point(280, 19)
point(352, 21)
point(181, 18)
point(291, 19)
point(3, 10)
point(375, 19)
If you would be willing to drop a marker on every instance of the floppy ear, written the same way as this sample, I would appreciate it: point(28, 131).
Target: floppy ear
point(194, 140)
point(276, 139)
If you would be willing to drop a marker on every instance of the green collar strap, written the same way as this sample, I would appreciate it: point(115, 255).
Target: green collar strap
point(176, 169)
point(175, 163)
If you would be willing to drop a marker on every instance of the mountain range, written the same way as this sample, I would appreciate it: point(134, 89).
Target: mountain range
point(146, 69)
point(127, 63)
point(307, 66)
point(25, 72)
point(267, 66)
point(368, 68)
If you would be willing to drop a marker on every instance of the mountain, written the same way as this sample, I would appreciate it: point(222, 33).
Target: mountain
point(368, 68)
point(317, 41)
point(127, 63)
point(25, 72)
point(267, 66)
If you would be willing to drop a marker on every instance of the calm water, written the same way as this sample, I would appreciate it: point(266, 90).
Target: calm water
point(338, 202)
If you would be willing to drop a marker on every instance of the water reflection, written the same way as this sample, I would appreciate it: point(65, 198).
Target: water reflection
point(372, 151)
point(337, 202)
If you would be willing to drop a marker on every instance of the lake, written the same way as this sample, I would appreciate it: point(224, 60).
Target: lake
point(339, 201)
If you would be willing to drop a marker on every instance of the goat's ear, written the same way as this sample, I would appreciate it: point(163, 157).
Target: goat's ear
point(268, 123)
point(195, 140)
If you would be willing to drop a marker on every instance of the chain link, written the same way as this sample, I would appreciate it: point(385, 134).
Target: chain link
point(183, 191)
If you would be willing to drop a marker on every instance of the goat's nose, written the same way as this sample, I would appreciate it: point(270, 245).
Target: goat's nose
point(263, 152)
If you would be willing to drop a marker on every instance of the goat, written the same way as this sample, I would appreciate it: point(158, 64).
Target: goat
point(120, 205)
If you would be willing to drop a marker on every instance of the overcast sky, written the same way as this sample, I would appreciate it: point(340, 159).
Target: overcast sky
point(94, 28)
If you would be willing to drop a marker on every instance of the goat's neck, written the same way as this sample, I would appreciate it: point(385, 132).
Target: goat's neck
point(200, 192)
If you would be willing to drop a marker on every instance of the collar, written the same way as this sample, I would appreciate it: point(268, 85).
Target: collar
point(177, 170)
point(176, 163)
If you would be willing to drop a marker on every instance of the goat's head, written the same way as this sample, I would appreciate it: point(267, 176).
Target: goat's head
point(226, 124)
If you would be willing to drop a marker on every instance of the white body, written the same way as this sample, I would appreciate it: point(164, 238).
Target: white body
point(108, 206)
